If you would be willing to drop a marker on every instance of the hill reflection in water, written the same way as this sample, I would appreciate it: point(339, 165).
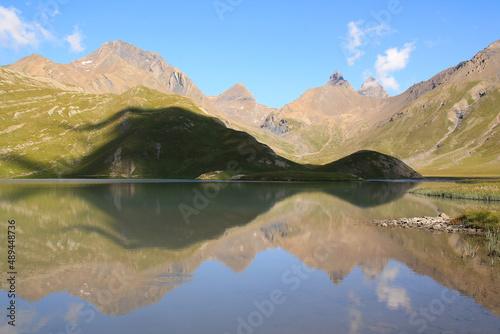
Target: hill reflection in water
point(95, 250)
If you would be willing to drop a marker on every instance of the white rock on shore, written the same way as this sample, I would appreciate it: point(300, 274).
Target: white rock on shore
point(441, 223)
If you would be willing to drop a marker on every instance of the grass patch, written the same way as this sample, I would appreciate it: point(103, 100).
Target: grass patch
point(488, 190)
point(299, 176)
point(470, 250)
point(493, 242)
point(479, 218)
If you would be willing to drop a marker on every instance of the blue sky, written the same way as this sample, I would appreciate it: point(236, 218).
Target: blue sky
point(277, 48)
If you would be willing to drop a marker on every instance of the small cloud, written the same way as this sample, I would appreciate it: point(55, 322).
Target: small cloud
point(352, 59)
point(353, 41)
point(359, 35)
point(393, 60)
point(16, 33)
point(75, 40)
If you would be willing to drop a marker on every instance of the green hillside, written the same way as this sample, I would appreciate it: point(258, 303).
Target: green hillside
point(371, 165)
point(437, 138)
point(52, 132)
point(450, 131)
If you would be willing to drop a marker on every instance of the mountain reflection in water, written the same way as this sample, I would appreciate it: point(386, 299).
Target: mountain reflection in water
point(130, 250)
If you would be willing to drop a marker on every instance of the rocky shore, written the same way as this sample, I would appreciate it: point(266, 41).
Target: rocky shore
point(441, 223)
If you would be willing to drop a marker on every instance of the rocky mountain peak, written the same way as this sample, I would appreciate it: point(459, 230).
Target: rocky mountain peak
point(126, 51)
point(372, 88)
point(238, 91)
point(120, 47)
point(336, 79)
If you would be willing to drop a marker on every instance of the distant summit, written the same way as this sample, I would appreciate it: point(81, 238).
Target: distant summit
point(336, 79)
point(238, 103)
point(116, 67)
point(237, 92)
point(372, 88)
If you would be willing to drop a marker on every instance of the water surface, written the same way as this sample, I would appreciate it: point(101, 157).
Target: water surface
point(239, 258)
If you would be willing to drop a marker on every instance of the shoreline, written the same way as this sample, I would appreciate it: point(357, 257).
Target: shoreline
point(441, 223)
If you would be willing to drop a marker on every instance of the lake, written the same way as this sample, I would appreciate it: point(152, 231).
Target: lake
point(190, 257)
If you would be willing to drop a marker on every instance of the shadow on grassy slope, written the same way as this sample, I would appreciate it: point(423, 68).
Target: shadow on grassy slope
point(26, 167)
point(173, 143)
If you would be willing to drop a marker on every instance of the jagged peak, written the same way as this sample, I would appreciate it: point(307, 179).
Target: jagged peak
point(372, 88)
point(336, 79)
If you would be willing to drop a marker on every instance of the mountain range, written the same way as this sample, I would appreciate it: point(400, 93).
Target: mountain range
point(120, 107)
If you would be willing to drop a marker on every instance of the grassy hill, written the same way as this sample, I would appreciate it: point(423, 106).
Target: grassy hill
point(50, 131)
point(371, 165)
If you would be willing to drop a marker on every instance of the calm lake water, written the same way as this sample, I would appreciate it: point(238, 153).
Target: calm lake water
point(238, 258)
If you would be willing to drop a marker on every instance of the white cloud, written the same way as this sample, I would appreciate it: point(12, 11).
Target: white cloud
point(359, 35)
point(395, 297)
point(353, 41)
point(16, 33)
point(75, 40)
point(393, 60)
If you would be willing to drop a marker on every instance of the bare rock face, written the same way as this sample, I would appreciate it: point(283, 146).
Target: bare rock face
point(372, 88)
point(336, 79)
point(323, 116)
point(116, 67)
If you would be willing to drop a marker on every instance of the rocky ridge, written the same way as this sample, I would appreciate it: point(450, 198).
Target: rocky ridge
point(116, 67)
